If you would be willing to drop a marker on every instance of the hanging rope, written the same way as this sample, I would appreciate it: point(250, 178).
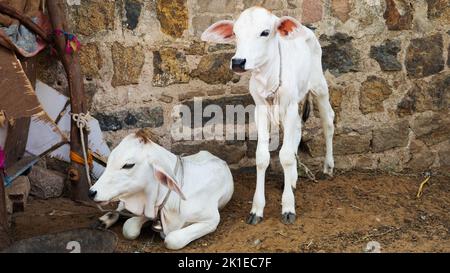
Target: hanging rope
point(82, 122)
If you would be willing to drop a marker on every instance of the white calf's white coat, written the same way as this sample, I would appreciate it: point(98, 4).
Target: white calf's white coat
point(284, 58)
point(139, 174)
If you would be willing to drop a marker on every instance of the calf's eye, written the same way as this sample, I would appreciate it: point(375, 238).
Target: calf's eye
point(265, 33)
point(128, 166)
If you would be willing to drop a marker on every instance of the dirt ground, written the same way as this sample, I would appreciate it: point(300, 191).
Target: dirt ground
point(341, 214)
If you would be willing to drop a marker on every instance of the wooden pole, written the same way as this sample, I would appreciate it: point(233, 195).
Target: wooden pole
point(71, 63)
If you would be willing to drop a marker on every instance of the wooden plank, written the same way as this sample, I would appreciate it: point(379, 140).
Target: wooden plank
point(15, 145)
point(25, 163)
point(17, 138)
point(29, 66)
point(71, 63)
point(16, 141)
point(17, 96)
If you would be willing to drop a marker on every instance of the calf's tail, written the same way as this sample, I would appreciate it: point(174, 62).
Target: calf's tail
point(307, 108)
point(305, 116)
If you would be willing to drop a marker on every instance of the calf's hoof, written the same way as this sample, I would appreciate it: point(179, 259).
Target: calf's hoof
point(288, 218)
point(106, 221)
point(132, 228)
point(253, 219)
point(98, 224)
point(328, 168)
point(130, 233)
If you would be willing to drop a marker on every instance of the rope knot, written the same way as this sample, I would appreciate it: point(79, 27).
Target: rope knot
point(82, 120)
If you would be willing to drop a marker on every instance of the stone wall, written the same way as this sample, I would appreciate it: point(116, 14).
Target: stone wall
point(387, 63)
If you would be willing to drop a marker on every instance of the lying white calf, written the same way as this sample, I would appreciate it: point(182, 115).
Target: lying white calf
point(152, 183)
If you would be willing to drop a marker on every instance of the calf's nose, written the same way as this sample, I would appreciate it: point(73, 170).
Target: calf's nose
point(92, 194)
point(238, 65)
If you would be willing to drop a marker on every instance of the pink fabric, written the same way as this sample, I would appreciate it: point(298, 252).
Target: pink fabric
point(72, 42)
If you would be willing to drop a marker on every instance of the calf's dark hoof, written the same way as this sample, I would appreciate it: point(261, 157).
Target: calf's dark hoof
point(288, 218)
point(253, 219)
point(98, 224)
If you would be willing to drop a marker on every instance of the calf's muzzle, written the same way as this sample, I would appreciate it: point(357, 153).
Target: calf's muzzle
point(92, 194)
point(238, 65)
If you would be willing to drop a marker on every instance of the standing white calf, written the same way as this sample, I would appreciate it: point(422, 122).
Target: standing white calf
point(140, 174)
point(284, 58)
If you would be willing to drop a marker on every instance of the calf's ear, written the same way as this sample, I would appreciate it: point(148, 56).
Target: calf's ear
point(220, 32)
point(167, 180)
point(290, 28)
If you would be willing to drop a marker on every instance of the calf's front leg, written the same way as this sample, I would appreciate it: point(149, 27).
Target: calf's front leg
point(110, 218)
point(291, 140)
point(262, 162)
point(132, 227)
point(178, 239)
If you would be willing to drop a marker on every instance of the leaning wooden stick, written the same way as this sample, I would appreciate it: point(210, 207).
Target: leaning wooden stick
point(24, 20)
point(77, 174)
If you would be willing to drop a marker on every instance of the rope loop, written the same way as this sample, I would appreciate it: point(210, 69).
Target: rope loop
point(82, 120)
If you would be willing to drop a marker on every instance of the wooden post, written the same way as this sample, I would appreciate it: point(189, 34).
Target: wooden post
point(71, 63)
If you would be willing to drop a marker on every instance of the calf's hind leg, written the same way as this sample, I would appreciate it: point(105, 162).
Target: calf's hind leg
point(327, 117)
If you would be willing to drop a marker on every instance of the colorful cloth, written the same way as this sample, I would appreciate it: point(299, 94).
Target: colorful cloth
point(72, 42)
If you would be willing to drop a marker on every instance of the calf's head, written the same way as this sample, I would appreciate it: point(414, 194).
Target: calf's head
point(133, 167)
point(256, 33)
